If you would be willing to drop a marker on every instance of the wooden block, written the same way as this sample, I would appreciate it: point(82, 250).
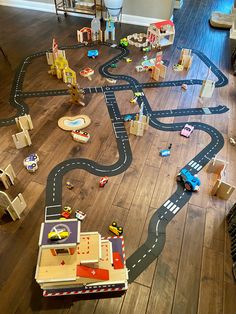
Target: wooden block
point(216, 166)
point(24, 122)
point(7, 176)
point(22, 139)
point(222, 189)
point(15, 207)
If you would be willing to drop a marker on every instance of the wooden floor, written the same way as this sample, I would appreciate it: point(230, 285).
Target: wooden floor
point(193, 273)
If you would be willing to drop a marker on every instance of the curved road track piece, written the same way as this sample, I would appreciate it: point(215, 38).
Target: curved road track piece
point(155, 241)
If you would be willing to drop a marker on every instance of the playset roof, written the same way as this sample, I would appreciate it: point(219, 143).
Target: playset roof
point(163, 23)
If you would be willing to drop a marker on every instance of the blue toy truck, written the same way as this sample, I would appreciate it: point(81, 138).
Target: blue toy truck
point(191, 183)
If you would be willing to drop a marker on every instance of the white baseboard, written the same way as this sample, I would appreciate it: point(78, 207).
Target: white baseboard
point(48, 7)
point(137, 20)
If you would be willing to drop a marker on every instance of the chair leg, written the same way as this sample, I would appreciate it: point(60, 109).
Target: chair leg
point(3, 52)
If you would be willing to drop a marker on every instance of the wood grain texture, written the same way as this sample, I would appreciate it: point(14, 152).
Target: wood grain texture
point(193, 273)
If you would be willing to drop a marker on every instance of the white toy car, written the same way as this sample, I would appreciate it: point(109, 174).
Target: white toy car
point(80, 215)
point(80, 136)
point(31, 162)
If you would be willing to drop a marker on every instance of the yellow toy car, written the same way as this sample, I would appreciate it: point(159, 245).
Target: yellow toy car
point(133, 100)
point(58, 234)
point(115, 229)
point(128, 60)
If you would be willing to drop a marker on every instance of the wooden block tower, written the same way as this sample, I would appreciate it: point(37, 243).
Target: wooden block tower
point(140, 124)
point(159, 69)
point(77, 94)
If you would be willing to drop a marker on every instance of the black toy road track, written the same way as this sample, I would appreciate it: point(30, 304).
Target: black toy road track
point(155, 241)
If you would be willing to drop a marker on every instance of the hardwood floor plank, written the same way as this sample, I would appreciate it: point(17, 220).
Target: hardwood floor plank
point(165, 276)
point(136, 299)
point(139, 209)
point(211, 284)
point(187, 286)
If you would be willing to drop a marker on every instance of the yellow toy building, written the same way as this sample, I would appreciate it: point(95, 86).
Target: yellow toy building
point(61, 69)
point(74, 262)
point(140, 124)
point(51, 56)
point(60, 63)
point(69, 76)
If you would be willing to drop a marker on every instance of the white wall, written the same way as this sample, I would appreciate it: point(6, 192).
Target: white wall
point(140, 12)
point(161, 9)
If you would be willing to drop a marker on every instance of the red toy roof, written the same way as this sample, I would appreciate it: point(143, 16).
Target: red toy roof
point(163, 23)
point(94, 273)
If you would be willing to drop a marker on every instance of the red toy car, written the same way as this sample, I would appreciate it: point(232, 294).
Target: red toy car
point(187, 130)
point(103, 181)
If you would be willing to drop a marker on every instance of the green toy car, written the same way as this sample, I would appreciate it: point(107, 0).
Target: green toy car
point(124, 42)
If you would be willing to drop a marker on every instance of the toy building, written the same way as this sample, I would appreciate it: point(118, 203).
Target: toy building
point(207, 89)
point(77, 94)
point(69, 76)
point(96, 31)
point(208, 86)
point(110, 30)
point(22, 138)
point(74, 262)
point(140, 124)
point(186, 58)
point(221, 188)
point(159, 69)
point(161, 33)
point(84, 34)
point(51, 56)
